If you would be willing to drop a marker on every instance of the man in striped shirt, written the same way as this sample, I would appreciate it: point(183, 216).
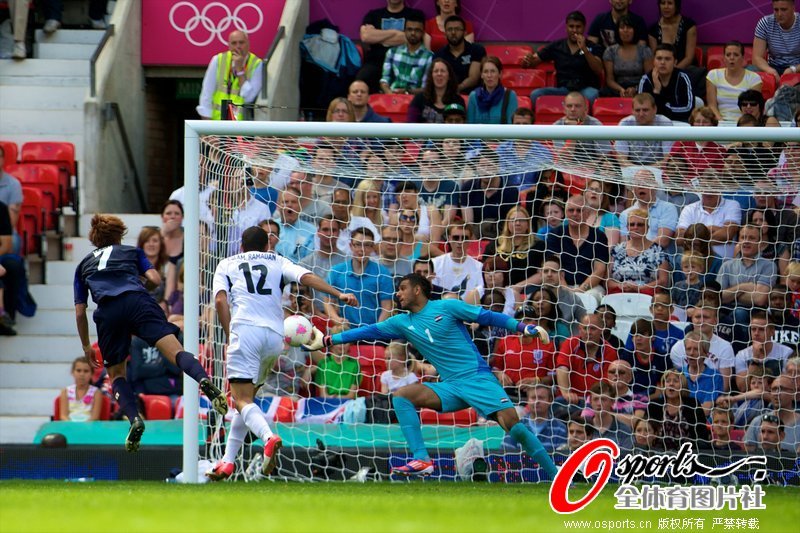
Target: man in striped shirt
point(405, 66)
point(778, 34)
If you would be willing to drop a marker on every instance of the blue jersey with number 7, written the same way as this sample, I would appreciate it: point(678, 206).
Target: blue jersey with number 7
point(438, 333)
point(110, 271)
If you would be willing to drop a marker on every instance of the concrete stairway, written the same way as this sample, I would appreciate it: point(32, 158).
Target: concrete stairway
point(35, 364)
point(41, 99)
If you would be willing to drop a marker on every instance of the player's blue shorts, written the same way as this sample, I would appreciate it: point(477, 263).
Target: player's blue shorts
point(481, 391)
point(130, 313)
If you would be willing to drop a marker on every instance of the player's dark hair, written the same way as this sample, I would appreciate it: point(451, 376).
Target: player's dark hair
point(418, 281)
point(106, 230)
point(254, 239)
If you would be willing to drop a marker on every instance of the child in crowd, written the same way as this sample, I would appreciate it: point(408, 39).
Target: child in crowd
point(721, 431)
point(399, 372)
point(80, 402)
point(687, 292)
point(553, 215)
point(750, 403)
point(338, 375)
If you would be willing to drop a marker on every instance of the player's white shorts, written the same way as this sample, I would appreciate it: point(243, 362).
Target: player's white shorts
point(252, 351)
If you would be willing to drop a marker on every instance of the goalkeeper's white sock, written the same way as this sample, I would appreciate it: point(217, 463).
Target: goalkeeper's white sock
point(254, 418)
point(235, 438)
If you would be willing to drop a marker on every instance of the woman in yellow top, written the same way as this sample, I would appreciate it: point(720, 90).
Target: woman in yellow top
point(724, 85)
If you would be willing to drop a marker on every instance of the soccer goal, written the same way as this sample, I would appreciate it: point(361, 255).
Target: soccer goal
point(679, 242)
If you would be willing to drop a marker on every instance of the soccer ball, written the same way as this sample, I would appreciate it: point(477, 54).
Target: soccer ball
point(297, 330)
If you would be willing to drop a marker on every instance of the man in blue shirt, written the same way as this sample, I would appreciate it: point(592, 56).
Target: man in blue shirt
point(297, 236)
point(436, 329)
point(370, 282)
point(124, 307)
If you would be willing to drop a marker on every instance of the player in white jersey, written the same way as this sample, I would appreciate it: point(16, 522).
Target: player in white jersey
point(247, 297)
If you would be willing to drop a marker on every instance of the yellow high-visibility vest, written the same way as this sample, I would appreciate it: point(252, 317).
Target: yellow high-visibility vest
point(228, 83)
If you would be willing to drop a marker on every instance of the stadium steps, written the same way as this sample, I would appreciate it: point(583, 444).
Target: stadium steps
point(35, 364)
point(42, 98)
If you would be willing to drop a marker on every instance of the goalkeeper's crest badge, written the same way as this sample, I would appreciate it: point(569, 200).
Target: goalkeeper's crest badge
point(538, 356)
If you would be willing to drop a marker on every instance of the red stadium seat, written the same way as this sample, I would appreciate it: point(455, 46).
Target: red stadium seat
point(58, 153)
point(510, 55)
point(465, 417)
point(44, 177)
point(31, 220)
point(156, 407)
point(524, 101)
point(360, 50)
point(394, 106)
point(698, 56)
point(10, 151)
point(372, 361)
point(524, 80)
point(610, 110)
point(105, 409)
point(790, 79)
point(549, 109)
point(768, 85)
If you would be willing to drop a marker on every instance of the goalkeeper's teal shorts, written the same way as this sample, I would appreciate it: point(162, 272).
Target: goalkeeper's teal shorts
point(481, 391)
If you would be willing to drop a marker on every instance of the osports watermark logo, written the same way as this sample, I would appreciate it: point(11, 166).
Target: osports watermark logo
point(598, 457)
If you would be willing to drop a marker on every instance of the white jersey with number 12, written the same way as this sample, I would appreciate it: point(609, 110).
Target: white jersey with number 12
point(252, 281)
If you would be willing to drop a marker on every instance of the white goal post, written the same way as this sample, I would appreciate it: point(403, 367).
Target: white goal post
point(195, 129)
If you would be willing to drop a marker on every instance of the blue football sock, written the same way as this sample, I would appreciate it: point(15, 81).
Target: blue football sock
point(126, 398)
point(530, 443)
point(190, 366)
point(409, 424)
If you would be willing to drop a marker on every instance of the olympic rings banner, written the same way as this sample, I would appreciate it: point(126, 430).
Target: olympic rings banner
point(190, 32)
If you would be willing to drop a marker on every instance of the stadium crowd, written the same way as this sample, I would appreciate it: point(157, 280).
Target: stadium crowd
point(673, 316)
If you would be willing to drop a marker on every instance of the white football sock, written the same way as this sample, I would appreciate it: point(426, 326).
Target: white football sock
point(236, 437)
point(254, 418)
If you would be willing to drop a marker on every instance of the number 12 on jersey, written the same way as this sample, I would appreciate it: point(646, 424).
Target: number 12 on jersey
point(258, 287)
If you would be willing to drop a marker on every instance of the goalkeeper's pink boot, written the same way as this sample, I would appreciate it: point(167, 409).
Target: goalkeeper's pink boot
point(221, 471)
point(274, 444)
point(415, 467)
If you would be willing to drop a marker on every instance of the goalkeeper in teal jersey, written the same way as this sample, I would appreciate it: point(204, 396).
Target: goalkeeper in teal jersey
point(436, 328)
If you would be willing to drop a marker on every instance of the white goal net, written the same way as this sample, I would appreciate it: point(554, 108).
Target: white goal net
point(662, 261)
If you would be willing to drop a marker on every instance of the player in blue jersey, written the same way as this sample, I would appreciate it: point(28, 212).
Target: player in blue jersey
point(436, 328)
point(112, 273)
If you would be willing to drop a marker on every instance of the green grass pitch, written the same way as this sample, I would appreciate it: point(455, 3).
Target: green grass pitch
point(34, 506)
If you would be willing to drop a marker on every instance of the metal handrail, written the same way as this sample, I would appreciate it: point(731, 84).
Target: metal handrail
point(265, 62)
point(112, 110)
point(93, 76)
